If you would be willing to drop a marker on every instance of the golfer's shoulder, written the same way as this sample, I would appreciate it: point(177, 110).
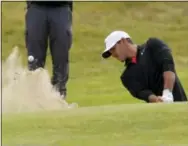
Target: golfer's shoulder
point(156, 44)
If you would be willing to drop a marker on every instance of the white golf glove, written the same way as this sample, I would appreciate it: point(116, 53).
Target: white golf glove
point(167, 96)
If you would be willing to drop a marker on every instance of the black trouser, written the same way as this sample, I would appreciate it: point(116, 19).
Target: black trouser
point(53, 23)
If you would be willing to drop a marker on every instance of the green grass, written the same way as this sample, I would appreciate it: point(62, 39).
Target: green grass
point(95, 82)
point(146, 124)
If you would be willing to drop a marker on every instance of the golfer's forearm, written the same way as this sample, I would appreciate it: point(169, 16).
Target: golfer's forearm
point(168, 72)
point(169, 80)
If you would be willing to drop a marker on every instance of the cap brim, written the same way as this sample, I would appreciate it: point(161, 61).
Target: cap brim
point(106, 54)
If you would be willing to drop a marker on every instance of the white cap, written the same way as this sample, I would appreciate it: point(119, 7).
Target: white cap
point(111, 40)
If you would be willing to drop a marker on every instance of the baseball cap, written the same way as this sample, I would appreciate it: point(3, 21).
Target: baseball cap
point(111, 40)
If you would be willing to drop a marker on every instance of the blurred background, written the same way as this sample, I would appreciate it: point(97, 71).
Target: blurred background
point(94, 81)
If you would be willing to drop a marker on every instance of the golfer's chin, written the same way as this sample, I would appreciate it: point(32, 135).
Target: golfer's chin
point(122, 60)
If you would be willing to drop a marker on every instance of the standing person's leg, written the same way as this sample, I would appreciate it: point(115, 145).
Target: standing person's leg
point(60, 44)
point(36, 35)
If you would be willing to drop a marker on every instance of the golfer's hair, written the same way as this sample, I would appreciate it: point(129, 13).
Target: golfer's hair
point(129, 40)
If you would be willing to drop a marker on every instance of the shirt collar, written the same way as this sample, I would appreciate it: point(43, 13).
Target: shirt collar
point(133, 60)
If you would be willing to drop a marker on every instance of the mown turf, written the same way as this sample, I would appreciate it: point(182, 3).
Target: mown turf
point(94, 81)
point(131, 124)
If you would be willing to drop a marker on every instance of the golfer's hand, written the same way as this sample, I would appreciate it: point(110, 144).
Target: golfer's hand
point(167, 96)
point(165, 99)
point(153, 99)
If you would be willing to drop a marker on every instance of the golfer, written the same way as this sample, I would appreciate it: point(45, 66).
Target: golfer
point(150, 73)
point(50, 20)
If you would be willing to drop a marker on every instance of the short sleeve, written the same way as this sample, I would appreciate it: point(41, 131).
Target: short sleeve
point(161, 54)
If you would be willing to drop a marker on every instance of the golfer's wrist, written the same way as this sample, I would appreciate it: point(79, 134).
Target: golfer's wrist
point(167, 93)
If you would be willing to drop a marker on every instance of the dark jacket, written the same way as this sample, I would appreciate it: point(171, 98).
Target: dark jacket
point(145, 77)
point(52, 3)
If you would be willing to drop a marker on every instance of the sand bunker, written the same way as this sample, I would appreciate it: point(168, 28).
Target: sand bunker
point(25, 91)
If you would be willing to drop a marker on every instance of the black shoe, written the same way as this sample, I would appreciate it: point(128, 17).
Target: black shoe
point(63, 95)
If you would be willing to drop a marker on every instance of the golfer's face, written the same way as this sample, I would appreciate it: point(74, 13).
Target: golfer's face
point(118, 51)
